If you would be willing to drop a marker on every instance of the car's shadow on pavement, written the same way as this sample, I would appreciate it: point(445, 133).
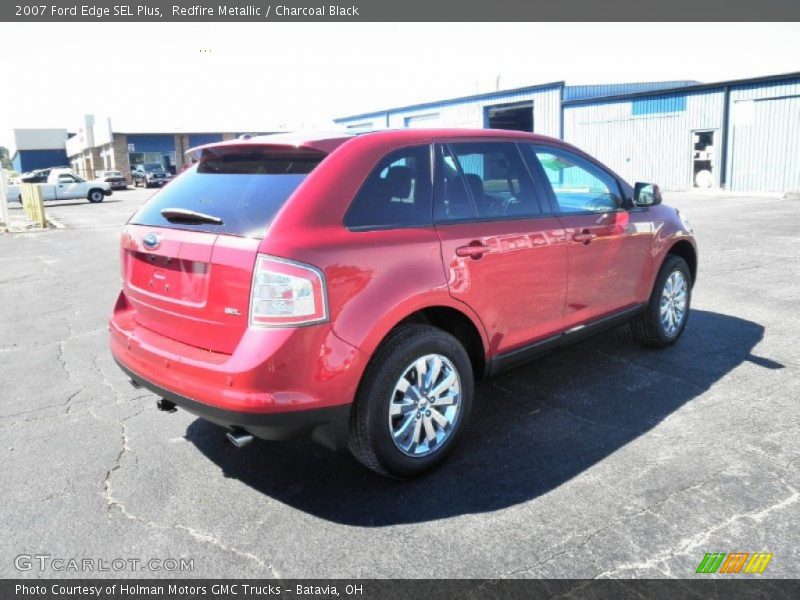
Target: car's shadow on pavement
point(532, 429)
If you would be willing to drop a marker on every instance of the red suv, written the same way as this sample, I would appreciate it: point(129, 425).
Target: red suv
point(352, 288)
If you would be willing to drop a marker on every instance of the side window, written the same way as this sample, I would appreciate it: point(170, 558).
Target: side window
point(66, 179)
point(453, 201)
point(578, 185)
point(484, 180)
point(397, 193)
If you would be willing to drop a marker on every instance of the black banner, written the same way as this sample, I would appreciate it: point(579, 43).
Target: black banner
point(389, 589)
point(401, 11)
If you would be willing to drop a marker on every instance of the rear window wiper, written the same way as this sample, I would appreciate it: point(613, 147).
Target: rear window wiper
point(183, 215)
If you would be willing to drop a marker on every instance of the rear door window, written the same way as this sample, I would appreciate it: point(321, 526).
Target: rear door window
point(397, 193)
point(484, 181)
point(242, 187)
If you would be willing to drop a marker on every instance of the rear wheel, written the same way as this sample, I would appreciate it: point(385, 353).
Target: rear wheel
point(413, 402)
point(96, 196)
point(664, 318)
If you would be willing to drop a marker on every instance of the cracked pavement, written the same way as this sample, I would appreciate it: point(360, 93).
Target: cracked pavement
point(601, 460)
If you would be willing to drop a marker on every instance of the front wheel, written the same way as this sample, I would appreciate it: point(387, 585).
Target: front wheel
point(413, 402)
point(96, 196)
point(664, 319)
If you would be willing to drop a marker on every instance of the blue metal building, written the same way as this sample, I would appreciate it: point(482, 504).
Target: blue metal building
point(33, 149)
point(30, 160)
point(742, 135)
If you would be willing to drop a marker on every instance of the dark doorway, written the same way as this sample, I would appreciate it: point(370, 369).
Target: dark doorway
point(703, 159)
point(517, 116)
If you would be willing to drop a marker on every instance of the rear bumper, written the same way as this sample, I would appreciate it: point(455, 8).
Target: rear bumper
point(278, 383)
point(328, 426)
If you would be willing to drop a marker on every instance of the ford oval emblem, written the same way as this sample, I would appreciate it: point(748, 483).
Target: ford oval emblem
point(151, 241)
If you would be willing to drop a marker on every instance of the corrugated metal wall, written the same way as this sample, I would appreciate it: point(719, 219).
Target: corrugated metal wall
point(652, 143)
point(470, 113)
point(581, 92)
point(467, 112)
point(764, 150)
point(650, 137)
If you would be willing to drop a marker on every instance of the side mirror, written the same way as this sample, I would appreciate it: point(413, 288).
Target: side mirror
point(646, 194)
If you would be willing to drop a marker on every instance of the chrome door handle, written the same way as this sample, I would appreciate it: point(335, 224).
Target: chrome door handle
point(476, 251)
point(584, 237)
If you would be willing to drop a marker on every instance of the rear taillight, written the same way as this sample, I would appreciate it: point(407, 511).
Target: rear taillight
point(286, 293)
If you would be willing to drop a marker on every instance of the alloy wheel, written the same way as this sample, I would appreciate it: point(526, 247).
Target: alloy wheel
point(673, 302)
point(425, 405)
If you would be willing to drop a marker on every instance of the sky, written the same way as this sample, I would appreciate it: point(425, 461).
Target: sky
point(266, 76)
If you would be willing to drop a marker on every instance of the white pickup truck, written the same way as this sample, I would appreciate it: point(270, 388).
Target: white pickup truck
point(63, 184)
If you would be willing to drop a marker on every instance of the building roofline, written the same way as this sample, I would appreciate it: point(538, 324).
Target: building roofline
point(430, 104)
point(685, 89)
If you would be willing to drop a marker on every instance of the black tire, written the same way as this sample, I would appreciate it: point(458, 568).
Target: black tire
point(371, 440)
point(647, 328)
point(96, 196)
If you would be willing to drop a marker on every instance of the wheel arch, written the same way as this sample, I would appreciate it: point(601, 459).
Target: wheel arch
point(687, 252)
point(458, 321)
point(460, 326)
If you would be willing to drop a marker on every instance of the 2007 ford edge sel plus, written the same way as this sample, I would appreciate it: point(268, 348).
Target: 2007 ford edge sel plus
point(353, 287)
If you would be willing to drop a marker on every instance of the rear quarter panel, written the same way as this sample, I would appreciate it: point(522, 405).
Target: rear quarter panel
point(375, 278)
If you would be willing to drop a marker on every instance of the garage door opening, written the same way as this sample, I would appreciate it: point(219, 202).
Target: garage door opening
point(515, 117)
point(703, 159)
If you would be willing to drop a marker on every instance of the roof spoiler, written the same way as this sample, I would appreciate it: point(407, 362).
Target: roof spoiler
point(323, 142)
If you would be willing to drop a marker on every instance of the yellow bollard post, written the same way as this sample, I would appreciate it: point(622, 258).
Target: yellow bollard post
point(33, 203)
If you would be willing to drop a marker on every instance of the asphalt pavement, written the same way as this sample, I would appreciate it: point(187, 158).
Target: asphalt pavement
point(600, 460)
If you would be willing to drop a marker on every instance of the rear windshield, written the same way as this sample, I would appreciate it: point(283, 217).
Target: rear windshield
point(243, 187)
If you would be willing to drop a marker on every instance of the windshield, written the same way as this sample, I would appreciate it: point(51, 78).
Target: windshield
point(113, 174)
point(153, 167)
point(243, 187)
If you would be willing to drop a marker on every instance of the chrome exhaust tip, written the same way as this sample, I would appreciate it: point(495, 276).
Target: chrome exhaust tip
point(240, 440)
